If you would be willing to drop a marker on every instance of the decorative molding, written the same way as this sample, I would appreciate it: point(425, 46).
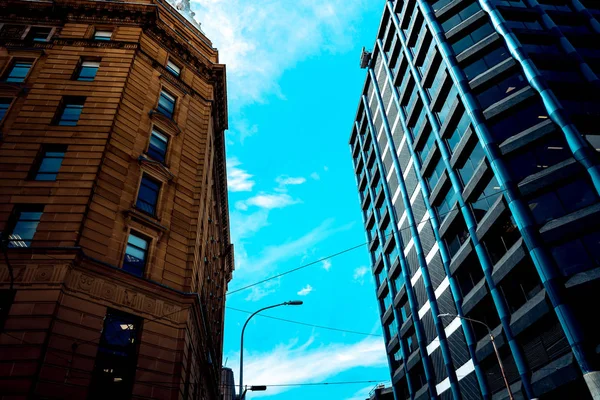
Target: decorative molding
point(156, 167)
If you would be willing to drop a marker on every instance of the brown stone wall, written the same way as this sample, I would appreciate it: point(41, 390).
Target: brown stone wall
point(71, 274)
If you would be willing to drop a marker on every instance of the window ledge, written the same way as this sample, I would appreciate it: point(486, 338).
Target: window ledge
point(529, 313)
point(571, 225)
point(134, 214)
point(157, 167)
point(155, 114)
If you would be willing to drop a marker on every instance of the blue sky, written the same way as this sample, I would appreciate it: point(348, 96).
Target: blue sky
point(293, 87)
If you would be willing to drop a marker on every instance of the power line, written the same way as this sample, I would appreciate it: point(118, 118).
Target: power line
point(441, 217)
point(306, 324)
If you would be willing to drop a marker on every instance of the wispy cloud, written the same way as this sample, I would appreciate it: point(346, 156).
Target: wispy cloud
point(326, 265)
point(359, 274)
point(238, 180)
point(259, 292)
point(268, 201)
point(305, 291)
point(258, 47)
point(315, 176)
point(289, 180)
point(307, 363)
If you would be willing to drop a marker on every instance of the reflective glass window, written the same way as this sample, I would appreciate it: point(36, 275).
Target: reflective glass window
point(459, 131)
point(166, 104)
point(472, 38)
point(18, 71)
point(485, 61)
point(4, 106)
point(468, 169)
point(158, 145)
point(102, 35)
point(136, 254)
point(518, 120)
point(69, 113)
point(39, 33)
point(87, 71)
point(27, 219)
point(50, 162)
point(486, 199)
point(436, 174)
point(148, 195)
point(173, 68)
point(501, 90)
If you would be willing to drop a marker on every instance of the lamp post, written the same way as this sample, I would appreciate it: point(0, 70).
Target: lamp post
point(510, 395)
point(287, 303)
point(252, 389)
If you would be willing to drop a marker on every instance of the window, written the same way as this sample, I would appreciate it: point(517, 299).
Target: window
point(485, 61)
point(468, 169)
point(50, 162)
point(26, 220)
point(148, 195)
point(6, 300)
point(486, 199)
point(18, 71)
point(116, 360)
point(39, 33)
point(539, 157)
point(173, 68)
point(157, 149)
point(456, 19)
point(166, 104)
point(472, 38)
point(436, 174)
point(501, 90)
point(520, 285)
point(102, 35)
point(459, 131)
point(136, 254)
point(456, 236)
point(87, 71)
point(4, 106)
point(469, 274)
point(443, 208)
point(70, 111)
point(500, 238)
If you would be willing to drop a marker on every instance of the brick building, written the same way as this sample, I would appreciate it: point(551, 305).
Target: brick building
point(113, 202)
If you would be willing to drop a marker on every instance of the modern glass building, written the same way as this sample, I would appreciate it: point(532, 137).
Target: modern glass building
point(475, 151)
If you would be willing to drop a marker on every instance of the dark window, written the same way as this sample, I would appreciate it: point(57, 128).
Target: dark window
point(136, 254)
point(543, 155)
point(520, 285)
point(39, 33)
point(6, 300)
point(103, 34)
point(469, 274)
point(438, 5)
point(501, 90)
point(87, 71)
point(49, 163)
point(424, 152)
point(4, 105)
point(450, 99)
point(456, 19)
point(18, 71)
point(70, 111)
point(486, 199)
point(459, 131)
point(468, 168)
point(484, 311)
point(482, 62)
point(173, 68)
point(572, 257)
point(518, 119)
point(500, 238)
point(564, 200)
point(158, 145)
point(472, 38)
point(148, 195)
point(166, 104)
point(26, 220)
point(445, 205)
point(434, 177)
point(116, 360)
point(456, 236)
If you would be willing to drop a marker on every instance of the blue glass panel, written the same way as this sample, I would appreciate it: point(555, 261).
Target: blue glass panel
point(19, 71)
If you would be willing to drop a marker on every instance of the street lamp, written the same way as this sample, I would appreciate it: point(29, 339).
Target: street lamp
point(252, 389)
point(287, 303)
point(510, 395)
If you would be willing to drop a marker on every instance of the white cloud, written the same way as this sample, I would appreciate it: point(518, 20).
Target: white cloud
point(260, 40)
point(326, 265)
point(267, 201)
point(315, 176)
point(259, 292)
point(305, 291)
point(307, 363)
point(238, 180)
point(288, 180)
point(359, 274)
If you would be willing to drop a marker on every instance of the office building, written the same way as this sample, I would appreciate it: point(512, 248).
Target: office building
point(113, 202)
point(475, 151)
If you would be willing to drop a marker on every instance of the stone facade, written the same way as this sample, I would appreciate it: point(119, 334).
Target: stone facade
point(72, 273)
